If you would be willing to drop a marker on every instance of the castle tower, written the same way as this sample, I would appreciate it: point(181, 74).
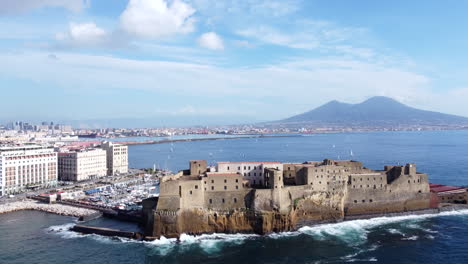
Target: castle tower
point(197, 167)
point(410, 169)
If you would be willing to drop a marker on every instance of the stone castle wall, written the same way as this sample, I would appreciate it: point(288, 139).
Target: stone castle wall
point(327, 191)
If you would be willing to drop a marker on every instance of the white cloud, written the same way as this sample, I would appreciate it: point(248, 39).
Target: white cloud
point(211, 40)
point(157, 18)
point(266, 34)
point(299, 86)
point(83, 34)
point(18, 6)
point(321, 36)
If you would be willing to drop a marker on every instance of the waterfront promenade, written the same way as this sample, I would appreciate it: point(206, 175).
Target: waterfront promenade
point(59, 209)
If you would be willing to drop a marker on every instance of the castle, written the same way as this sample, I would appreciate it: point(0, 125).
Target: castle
point(263, 197)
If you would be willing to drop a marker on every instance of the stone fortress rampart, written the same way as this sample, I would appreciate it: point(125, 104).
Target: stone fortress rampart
point(263, 197)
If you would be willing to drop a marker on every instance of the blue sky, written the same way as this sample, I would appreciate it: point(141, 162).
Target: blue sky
point(230, 60)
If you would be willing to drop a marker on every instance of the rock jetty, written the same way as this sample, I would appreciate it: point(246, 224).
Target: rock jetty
point(59, 209)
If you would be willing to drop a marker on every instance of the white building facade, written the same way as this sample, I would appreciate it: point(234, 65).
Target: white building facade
point(253, 171)
point(80, 165)
point(117, 158)
point(27, 167)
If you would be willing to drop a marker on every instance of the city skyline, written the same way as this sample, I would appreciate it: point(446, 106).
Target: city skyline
point(239, 60)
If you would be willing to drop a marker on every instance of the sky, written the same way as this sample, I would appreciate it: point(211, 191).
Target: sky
point(210, 61)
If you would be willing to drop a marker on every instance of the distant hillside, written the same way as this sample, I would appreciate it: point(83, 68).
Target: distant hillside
point(377, 110)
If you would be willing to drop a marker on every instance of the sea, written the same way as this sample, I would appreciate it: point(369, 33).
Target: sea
point(37, 237)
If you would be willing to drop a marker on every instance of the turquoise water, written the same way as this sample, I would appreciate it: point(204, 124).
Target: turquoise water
point(35, 237)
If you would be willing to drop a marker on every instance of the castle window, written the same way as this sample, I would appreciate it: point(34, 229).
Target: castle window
point(249, 173)
point(361, 186)
point(225, 187)
point(375, 186)
point(212, 188)
point(363, 201)
point(355, 201)
point(205, 188)
point(255, 167)
point(245, 174)
point(245, 167)
point(289, 168)
point(238, 168)
point(235, 200)
point(237, 180)
point(409, 181)
point(223, 200)
point(254, 181)
point(370, 200)
point(225, 180)
point(320, 182)
point(211, 201)
point(418, 180)
point(205, 182)
point(228, 167)
point(237, 187)
point(354, 186)
point(249, 167)
point(255, 174)
point(212, 181)
point(196, 186)
point(260, 174)
point(289, 174)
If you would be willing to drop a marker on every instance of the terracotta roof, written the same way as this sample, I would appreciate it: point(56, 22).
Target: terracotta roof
point(247, 162)
point(438, 188)
point(221, 173)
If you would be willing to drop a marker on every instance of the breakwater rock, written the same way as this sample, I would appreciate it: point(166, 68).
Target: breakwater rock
point(49, 208)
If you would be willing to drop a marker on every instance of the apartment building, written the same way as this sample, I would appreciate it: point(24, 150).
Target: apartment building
point(82, 164)
point(117, 158)
point(27, 167)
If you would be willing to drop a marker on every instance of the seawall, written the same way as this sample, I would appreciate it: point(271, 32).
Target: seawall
point(59, 209)
point(106, 231)
point(199, 139)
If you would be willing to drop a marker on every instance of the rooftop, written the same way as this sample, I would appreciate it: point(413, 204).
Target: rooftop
point(247, 162)
point(439, 188)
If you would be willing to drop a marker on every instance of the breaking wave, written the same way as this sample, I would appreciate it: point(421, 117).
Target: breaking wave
point(354, 233)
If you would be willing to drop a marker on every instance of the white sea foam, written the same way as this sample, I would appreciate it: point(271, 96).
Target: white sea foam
point(355, 231)
point(410, 238)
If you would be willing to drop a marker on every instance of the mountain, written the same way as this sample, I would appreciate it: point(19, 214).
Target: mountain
point(376, 111)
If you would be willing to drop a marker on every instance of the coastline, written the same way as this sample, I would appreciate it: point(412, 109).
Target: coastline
point(110, 232)
point(149, 142)
point(58, 209)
